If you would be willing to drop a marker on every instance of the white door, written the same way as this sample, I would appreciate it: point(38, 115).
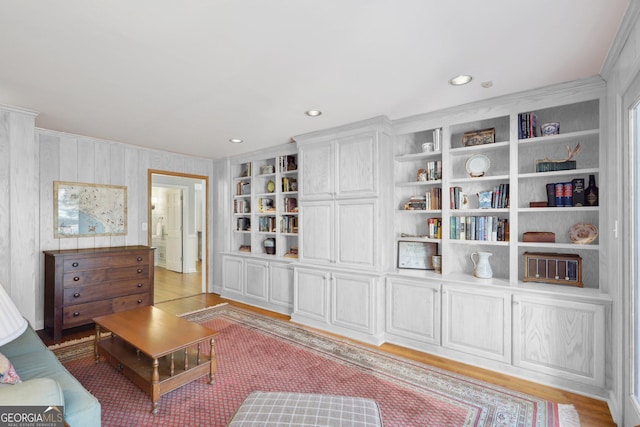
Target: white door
point(174, 230)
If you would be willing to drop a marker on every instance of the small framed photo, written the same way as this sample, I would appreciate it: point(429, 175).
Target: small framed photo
point(416, 255)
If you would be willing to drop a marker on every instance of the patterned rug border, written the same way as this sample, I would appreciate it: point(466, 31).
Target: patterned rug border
point(399, 370)
point(396, 369)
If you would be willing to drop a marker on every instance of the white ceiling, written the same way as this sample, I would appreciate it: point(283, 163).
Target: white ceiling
point(186, 76)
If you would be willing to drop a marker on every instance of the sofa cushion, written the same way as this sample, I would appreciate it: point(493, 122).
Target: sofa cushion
point(8, 374)
point(35, 392)
point(28, 342)
point(79, 403)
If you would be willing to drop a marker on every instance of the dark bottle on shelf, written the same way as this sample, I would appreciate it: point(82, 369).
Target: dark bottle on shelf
point(591, 193)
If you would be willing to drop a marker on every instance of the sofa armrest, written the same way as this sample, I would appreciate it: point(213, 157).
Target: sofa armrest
point(35, 392)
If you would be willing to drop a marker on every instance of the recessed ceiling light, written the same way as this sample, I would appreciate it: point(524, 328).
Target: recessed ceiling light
point(460, 80)
point(235, 140)
point(487, 84)
point(313, 113)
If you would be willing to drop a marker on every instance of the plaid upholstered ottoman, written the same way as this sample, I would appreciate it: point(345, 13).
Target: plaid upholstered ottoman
point(298, 409)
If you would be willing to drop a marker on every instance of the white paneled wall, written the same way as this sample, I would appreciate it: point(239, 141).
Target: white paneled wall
point(31, 159)
point(19, 216)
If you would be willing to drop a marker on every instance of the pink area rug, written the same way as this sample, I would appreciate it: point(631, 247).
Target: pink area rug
point(255, 352)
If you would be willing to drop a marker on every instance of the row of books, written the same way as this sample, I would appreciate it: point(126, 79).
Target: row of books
point(434, 228)
point(241, 206)
point(434, 170)
point(288, 163)
point(487, 228)
point(289, 224)
point(458, 199)
point(290, 204)
point(267, 224)
point(243, 188)
point(527, 125)
point(565, 194)
point(289, 184)
point(432, 200)
point(497, 199)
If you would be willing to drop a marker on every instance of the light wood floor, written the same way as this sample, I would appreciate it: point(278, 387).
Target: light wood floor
point(169, 285)
point(593, 413)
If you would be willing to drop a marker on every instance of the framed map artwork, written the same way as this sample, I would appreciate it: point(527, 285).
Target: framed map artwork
point(82, 210)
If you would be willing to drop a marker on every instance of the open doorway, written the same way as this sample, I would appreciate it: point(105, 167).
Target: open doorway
point(178, 232)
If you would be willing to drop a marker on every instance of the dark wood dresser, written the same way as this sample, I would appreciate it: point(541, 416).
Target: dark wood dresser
point(80, 284)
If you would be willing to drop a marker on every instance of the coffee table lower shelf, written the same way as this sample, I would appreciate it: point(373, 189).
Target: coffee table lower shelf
point(170, 370)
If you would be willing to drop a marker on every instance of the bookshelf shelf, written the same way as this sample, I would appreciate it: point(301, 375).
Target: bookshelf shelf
point(556, 246)
point(419, 211)
point(480, 212)
point(560, 138)
point(560, 209)
point(488, 178)
point(418, 156)
point(478, 242)
point(419, 183)
point(463, 151)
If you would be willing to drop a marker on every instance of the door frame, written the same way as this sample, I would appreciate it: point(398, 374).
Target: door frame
point(205, 238)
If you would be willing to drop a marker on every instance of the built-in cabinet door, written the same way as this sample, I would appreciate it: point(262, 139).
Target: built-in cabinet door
point(311, 294)
point(281, 278)
point(357, 233)
point(357, 166)
point(232, 274)
point(477, 322)
point(561, 338)
point(413, 310)
point(317, 164)
point(353, 301)
point(317, 238)
point(257, 279)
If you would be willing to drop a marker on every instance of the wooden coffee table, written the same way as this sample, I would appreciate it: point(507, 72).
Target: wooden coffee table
point(157, 351)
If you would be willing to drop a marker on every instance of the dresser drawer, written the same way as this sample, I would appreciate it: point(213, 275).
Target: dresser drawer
point(131, 301)
point(81, 314)
point(83, 294)
point(88, 277)
point(136, 258)
point(83, 263)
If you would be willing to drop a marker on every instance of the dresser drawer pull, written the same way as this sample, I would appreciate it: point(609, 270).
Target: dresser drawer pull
point(75, 264)
point(76, 314)
point(75, 279)
point(76, 295)
point(139, 270)
point(139, 285)
point(139, 301)
point(139, 258)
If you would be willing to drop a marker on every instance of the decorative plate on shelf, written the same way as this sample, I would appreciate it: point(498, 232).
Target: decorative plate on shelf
point(583, 234)
point(477, 165)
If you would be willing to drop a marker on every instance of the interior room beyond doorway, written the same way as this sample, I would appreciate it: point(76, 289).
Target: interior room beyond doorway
point(177, 231)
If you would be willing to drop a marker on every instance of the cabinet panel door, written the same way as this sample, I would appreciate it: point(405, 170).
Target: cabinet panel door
point(477, 322)
point(316, 162)
point(317, 237)
point(560, 338)
point(357, 166)
point(357, 233)
point(311, 294)
point(281, 285)
point(352, 302)
point(257, 279)
point(232, 274)
point(413, 309)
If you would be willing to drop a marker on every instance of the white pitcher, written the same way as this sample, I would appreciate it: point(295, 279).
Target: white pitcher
point(481, 267)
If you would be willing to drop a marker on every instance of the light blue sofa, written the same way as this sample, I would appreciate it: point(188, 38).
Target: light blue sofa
point(46, 382)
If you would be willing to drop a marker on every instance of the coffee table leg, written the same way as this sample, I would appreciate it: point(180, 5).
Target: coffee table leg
point(212, 358)
point(155, 387)
point(95, 344)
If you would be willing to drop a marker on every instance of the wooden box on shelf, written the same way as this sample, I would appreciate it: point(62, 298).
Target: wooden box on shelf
point(555, 268)
point(479, 137)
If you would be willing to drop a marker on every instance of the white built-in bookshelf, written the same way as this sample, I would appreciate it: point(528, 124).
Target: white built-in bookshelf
point(512, 164)
point(265, 206)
